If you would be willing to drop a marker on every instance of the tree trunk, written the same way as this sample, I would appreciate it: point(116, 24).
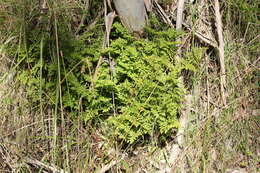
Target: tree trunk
point(132, 14)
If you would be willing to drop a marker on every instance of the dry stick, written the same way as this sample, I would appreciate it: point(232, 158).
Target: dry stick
point(108, 22)
point(201, 36)
point(44, 166)
point(109, 18)
point(4, 154)
point(100, 60)
point(207, 83)
point(180, 137)
point(177, 148)
point(221, 51)
point(165, 18)
point(108, 166)
point(180, 8)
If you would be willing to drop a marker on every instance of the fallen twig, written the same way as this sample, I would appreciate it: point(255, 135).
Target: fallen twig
point(5, 157)
point(108, 166)
point(44, 166)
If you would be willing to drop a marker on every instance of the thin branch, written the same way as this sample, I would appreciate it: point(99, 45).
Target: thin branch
point(177, 149)
point(180, 8)
point(109, 18)
point(167, 20)
point(100, 60)
point(44, 166)
point(164, 16)
point(6, 158)
point(221, 51)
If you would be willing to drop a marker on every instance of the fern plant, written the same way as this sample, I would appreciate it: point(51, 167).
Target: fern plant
point(148, 93)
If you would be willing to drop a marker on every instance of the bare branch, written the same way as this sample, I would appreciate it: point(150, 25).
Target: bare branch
point(221, 51)
point(44, 166)
point(180, 8)
point(109, 18)
point(164, 16)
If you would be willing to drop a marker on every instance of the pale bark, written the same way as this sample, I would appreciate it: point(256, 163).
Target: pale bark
point(132, 14)
point(221, 47)
point(180, 8)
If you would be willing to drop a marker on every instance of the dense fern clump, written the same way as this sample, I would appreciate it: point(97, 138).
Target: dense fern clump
point(138, 94)
point(147, 90)
point(145, 83)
